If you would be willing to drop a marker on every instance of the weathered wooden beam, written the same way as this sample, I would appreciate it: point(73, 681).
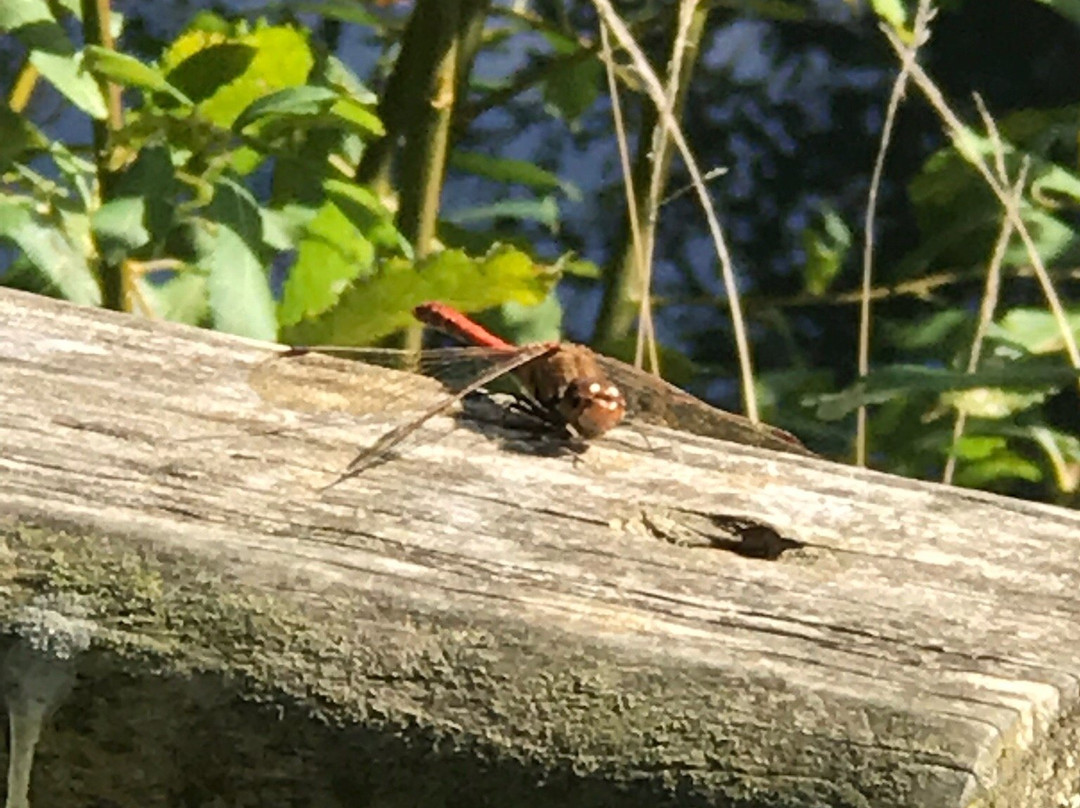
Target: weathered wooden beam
point(482, 621)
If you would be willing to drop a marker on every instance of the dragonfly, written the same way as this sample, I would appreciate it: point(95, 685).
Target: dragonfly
point(568, 389)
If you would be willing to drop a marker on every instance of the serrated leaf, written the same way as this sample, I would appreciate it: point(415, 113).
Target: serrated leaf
point(382, 303)
point(225, 74)
point(330, 254)
point(227, 244)
point(129, 71)
point(50, 251)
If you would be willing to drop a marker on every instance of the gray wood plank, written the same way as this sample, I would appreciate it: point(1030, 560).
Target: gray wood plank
point(483, 621)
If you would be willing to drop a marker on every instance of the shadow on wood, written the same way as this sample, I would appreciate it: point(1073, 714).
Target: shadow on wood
point(661, 620)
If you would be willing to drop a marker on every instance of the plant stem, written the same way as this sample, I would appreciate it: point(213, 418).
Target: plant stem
point(96, 16)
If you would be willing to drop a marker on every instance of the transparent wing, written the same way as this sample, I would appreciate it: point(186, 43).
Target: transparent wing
point(651, 400)
point(310, 380)
point(379, 449)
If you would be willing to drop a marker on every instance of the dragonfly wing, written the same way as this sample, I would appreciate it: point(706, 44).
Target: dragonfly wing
point(652, 400)
point(384, 444)
point(307, 379)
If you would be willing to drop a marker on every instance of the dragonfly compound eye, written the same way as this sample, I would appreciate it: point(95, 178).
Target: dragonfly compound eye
point(592, 406)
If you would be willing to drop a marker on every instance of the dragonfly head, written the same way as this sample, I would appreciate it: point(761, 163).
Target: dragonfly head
point(592, 406)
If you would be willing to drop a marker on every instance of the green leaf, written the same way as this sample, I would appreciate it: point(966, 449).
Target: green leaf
point(228, 244)
point(993, 403)
point(892, 11)
point(64, 71)
point(50, 251)
point(14, 14)
point(338, 75)
point(129, 71)
point(141, 209)
point(181, 299)
point(826, 245)
point(344, 10)
point(226, 74)
point(572, 86)
point(339, 244)
point(545, 211)
point(1036, 330)
point(1000, 466)
point(1066, 8)
point(900, 381)
point(20, 136)
point(303, 101)
point(357, 118)
point(119, 227)
point(382, 303)
point(520, 172)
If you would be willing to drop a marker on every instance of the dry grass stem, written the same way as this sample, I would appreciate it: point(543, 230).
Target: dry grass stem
point(991, 294)
point(962, 137)
point(924, 14)
point(657, 95)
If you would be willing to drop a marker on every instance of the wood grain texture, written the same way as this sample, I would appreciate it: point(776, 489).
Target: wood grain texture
point(663, 619)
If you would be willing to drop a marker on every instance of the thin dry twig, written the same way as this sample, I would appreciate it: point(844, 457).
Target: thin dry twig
point(924, 14)
point(961, 137)
point(656, 94)
point(660, 145)
point(641, 256)
point(991, 294)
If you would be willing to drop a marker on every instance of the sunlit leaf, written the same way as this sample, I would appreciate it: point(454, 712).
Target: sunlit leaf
point(128, 71)
point(64, 71)
point(1000, 466)
point(826, 245)
point(382, 303)
point(892, 11)
point(225, 74)
point(304, 100)
point(993, 402)
point(1036, 330)
point(228, 241)
point(62, 263)
point(181, 299)
point(15, 14)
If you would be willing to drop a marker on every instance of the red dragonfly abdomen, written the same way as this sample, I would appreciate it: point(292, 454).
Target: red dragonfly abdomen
point(453, 322)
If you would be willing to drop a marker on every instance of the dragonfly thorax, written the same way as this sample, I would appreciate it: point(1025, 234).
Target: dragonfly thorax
point(569, 381)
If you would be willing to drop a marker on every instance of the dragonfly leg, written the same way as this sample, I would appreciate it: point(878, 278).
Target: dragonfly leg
point(545, 416)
